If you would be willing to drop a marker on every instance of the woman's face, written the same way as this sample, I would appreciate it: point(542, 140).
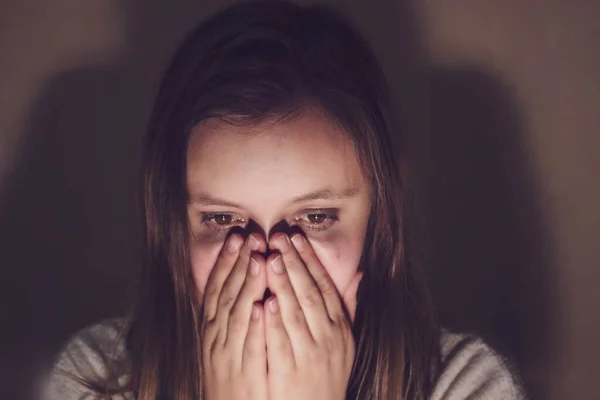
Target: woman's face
point(302, 174)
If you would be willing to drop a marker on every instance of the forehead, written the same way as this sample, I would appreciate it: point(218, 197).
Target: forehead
point(284, 159)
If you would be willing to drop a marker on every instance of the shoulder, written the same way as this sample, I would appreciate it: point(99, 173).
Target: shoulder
point(471, 369)
point(95, 355)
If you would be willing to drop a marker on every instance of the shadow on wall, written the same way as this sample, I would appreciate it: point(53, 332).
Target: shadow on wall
point(477, 231)
point(69, 226)
point(68, 221)
point(484, 247)
point(69, 230)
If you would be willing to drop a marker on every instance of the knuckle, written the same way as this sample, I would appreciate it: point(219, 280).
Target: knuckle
point(236, 322)
point(209, 330)
point(311, 296)
point(212, 290)
point(285, 285)
point(292, 264)
point(227, 301)
point(210, 349)
point(211, 294)
point(329, 345)
point(298, 317)
point(325, 285)
point(341, 329)
point(344, 326)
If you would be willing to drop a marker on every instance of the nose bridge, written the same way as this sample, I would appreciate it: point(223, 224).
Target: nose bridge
point(268, 231)
point(281, 226)
point(268, 214)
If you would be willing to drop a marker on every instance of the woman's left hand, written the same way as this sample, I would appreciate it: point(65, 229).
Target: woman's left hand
point(310, 347)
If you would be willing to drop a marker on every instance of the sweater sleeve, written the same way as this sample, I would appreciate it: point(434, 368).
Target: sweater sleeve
point(472, 370)
point(94, 356)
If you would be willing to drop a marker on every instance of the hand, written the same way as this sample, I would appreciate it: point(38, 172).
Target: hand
point(233, 334)
point(310, 347)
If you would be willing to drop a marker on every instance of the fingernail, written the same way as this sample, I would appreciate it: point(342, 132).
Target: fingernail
point(255, 313)
point(274, 305)
point(298, 241)
point(254, 267)
point(234, 243)
point(277, 265)
point(284, 243)
point(253, 243)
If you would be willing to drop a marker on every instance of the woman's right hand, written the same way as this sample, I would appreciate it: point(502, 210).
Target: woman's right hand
point(233, 334)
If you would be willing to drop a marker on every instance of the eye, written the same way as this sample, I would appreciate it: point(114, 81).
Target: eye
point(221, 221)
point(318, 220)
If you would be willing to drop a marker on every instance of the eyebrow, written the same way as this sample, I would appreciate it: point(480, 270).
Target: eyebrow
point(327, 194)
point(206, 200)
point(321, 194)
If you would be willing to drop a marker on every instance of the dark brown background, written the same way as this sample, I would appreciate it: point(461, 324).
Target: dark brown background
point(500, 102)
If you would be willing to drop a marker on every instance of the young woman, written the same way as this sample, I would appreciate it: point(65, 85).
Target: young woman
point(275, 264)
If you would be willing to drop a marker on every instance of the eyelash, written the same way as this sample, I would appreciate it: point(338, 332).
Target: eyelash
point(208, 220)
point(331, 217)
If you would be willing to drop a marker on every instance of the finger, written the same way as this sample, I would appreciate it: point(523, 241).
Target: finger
point(225, 262)
point(331, 296)
point(310, 291)
point(233, 283)
point(292, 314)
point(253, 289)
point(280, 354)
point(254, 355)
point(349, 296)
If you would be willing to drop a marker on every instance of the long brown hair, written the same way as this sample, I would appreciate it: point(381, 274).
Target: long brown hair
point(261, 60)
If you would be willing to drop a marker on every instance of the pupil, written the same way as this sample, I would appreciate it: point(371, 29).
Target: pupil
point(317, 218)
point(223, 219)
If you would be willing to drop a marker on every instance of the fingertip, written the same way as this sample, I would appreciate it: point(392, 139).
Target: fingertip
point(272, 256)
point(273, 305)
point(254, 242)
point(263, 245)
point(234, 243)
point(277, 265)
point(274, 331)
point(269, 267)
point(299, 242)
point(272, 313)
point(255, 265)
point(280, 241)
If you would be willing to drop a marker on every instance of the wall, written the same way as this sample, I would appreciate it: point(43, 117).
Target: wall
point(499, 103)
point(547, 56)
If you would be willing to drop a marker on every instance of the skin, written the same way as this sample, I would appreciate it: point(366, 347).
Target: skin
point(259, 180)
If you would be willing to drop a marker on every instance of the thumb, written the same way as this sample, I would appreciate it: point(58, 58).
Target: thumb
point(349, 296)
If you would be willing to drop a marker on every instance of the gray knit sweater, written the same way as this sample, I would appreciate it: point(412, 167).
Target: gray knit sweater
point(470, 369)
